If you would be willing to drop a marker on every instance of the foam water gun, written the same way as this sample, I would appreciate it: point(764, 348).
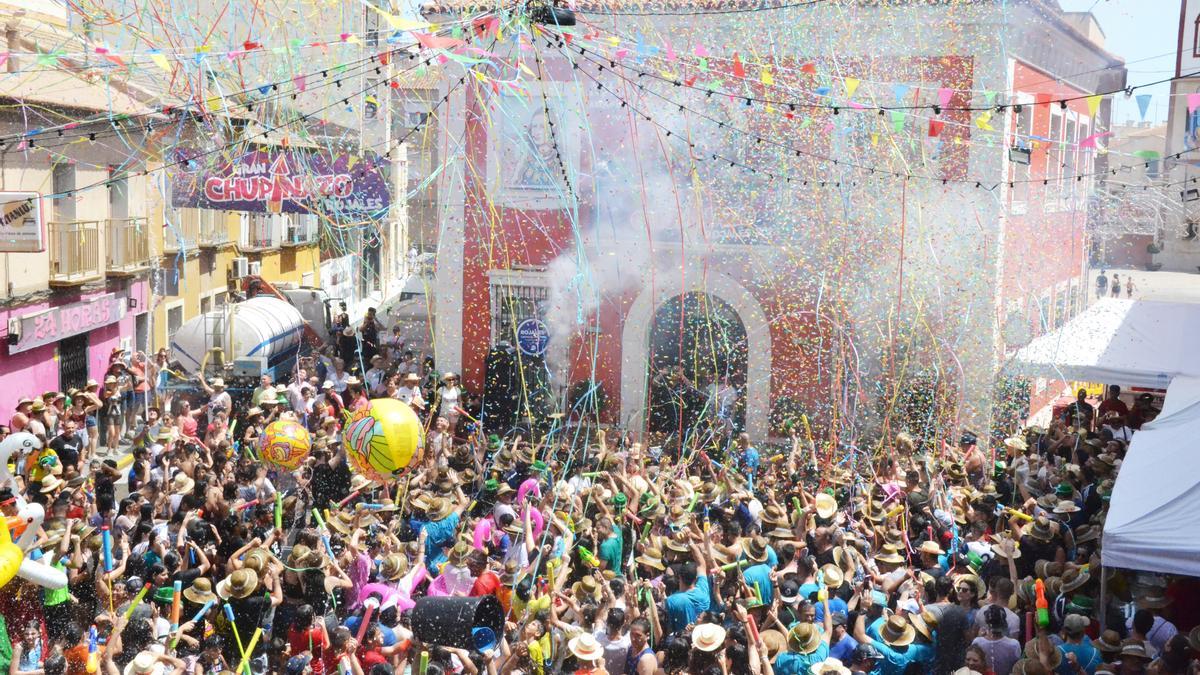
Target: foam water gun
point(736, 564)
point(278, 510)
point(324, 531)
point(1020, 515)
point(176, 601)
point(137, 600)
point(424, 663)
point(243, 666)
point(93, 659)
point(106, 544)
point(1043, 607)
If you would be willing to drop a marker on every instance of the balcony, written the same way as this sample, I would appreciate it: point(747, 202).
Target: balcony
point(182, 232)
point(301, 230)
point(213, 231)
point(261, 231)
point(74, 252)
point(128, 245)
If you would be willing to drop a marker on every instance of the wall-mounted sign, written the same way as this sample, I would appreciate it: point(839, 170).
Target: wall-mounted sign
point(342, 186)
point(533, 336)
point(57, 323)
point(22, 227)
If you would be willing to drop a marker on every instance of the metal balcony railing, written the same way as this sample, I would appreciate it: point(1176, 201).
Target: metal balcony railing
point(183, 230)
point(213, 231)
point(301, 230)
point(74, 252)
point(261, 231)
point(128, 249)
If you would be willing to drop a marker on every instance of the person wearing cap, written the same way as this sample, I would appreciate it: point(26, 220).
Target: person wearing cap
point(1079, 654)
point(865, 660)
point(841, 644)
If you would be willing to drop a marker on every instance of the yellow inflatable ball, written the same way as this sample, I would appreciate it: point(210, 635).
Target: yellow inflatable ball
point(383, 439)
point(284, 444)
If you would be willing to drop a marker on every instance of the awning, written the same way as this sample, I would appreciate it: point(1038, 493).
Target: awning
point(1153, 523)
point(1129, 342)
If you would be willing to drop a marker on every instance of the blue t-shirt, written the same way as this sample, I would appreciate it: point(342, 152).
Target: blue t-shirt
point(806, 591)
point(896, 659)
point(844, 649)
point(685, 607)
point(1085, 652)
point(439, 534)
point(759, 576)
point(389, 635)
point(795, 663)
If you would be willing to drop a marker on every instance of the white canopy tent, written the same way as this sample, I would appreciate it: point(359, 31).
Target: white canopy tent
point(1129, 342)
point(1154, 520)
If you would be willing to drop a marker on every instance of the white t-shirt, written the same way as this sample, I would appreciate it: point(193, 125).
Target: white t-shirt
point(615, 651)
point(338, 381)
point(410, 395)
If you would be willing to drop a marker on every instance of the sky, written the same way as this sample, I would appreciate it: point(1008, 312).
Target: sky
point(1145, 33)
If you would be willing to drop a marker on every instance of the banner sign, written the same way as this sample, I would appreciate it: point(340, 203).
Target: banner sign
point(342, 186)
point(533, 336)
point(57, 323)
point(22, 228)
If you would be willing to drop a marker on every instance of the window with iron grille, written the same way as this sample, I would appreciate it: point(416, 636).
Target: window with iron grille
point(512, 304)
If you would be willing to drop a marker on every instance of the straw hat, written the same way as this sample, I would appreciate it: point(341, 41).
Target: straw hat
point(51, 483)
point(1153, 599)
point(393, 567)
point(145, 663)
point(1110, 641)
point(781, 533)
point(585, 647)
point(1087, 533)
point(257, 559)
point(897, 632)
point(974, 581)
point(804, 638)
point(1066, 506)
point(888, 553)
point(439, 508)
point(458, 554)
point(1006, 548)
point(755, 548)
point(834, 576)
point(1073, 578)
point(299, 557)
point(359, 483)
point(829, 666)
point(774, 641)
point(1016, 443)
point(200, 591)
point(1044, 569)
point(651, 557)
point(240, 584)
point(929, 546)
point(826, 505)
point(586, 586)
point(182, 484)
point(708, 637)
point(775, 516)
point(924, 623)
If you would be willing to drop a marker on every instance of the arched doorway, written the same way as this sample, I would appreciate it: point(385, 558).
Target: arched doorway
point(697, 366)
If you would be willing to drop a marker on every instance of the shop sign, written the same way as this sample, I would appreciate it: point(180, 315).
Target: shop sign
point(57, 323)
point(22, 229)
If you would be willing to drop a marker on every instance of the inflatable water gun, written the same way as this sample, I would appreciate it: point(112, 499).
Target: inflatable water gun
point(1043, 607)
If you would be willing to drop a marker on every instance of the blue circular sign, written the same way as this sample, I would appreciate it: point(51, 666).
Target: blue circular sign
point(533, 336)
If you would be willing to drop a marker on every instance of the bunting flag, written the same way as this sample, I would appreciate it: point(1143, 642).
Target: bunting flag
point(1193, 102)
point(851, 84)
point(739, 71)
point(1042, 100)
point(160, 60)
point(935, 128)
point(300, 82)
point(944, 96)
point(434, 42)
point(1143, 102)
point(809, 68)
point(1093, 102)
point(898, 121)
point(900, 91)
point(984, 121)
point(766, 77)
point(398, 22)
point(1090, 141)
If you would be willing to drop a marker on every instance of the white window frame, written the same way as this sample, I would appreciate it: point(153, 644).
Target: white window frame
point(181, 305)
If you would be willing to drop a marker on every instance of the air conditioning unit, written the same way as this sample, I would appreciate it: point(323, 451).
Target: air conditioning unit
point(241, 267)
point(255, 268)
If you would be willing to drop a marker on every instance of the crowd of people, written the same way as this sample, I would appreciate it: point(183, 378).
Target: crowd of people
point(606, 552)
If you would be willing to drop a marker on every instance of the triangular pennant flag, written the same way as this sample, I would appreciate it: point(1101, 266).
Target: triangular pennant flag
point(990, 97)
point(300, 82)
point(851, 84)
point(822, 91)
point(809, 68)
point(1193, 102)
point(1093, 102)
point(900, 91)
point(874, 139)
point(935, 128)
point(264, 89)
point(944, 95)
point(1143, 101)
point(158, 59)
point(1042, 100)
point(984, 121)
point(739, 71)
point(898, 120)
point(701, 51)
point(435, 42)
point(670, 53)
point(766, 77)
point(1090, 141)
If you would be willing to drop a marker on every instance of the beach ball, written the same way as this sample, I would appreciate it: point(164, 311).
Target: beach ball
point(382, 439)
point(284, 443)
